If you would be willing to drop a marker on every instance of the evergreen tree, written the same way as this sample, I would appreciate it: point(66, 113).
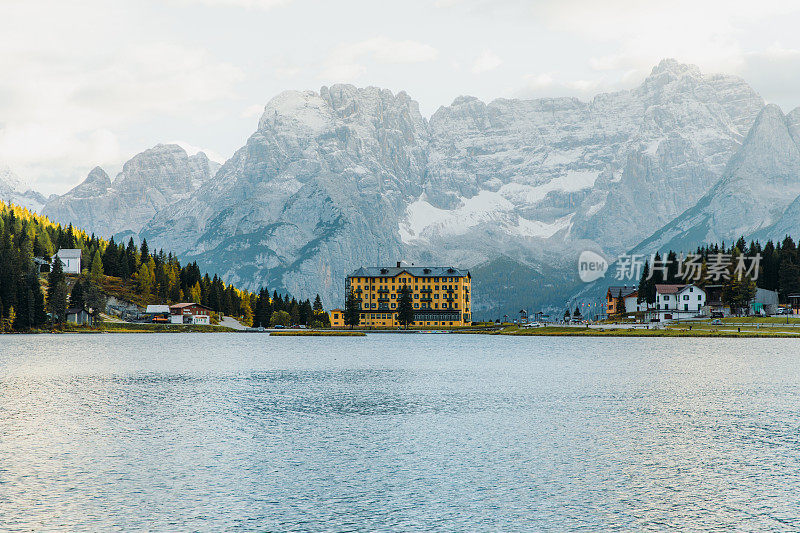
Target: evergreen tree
point(57, 292)
point(352, 309)
point(94, 298)
point(131, 259)
point(405, 307)
point(641, 295)
point(76, 297)
point(318, 304)
point(620, 304)
point(96, 270)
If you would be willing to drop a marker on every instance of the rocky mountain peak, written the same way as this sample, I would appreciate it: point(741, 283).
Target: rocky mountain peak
point(98, 177)
point(769, 153)
point(674, 68)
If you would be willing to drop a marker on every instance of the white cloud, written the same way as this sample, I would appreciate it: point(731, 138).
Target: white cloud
point(485, 62)
point(707, 33)
point(64, 106)
point(347, 61)
point(255, 110)
point(539, 81)
point(247, 4)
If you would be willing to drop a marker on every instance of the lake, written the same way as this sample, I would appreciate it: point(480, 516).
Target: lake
point(389, 432)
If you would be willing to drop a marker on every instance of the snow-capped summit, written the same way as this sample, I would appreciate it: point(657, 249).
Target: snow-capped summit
point(14, 189)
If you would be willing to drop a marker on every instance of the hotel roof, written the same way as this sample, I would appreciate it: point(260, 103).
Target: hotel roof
point(420, 272)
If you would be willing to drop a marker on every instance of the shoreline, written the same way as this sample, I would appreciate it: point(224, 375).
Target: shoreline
point(750, 331)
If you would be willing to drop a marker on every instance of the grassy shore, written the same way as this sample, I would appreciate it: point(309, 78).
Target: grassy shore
point(119, 327)
point(556, 331)
point(316, 333)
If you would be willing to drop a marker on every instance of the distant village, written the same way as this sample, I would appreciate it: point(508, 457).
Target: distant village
point(677, 301)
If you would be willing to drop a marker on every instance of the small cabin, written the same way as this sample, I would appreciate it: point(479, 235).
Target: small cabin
point(81, 317)
point(70, 260)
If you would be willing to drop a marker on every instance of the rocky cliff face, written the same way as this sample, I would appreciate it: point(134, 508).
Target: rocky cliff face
point(14, 190)
point(760, 182)
point(317, 189)
point(347, 177)
point(149, 182)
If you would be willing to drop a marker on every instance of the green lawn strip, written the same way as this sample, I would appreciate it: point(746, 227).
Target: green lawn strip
point(318, 333)
point(556, 331)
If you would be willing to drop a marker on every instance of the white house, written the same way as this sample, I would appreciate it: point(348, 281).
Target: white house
point(677, 301)
point(70, 259)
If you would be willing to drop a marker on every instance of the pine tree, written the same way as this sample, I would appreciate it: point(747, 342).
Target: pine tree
point(76, 297)
point(643, 288)
point(318, 304)
point(57, 292)
point(405, 307)
point(96, 270)
point(620, 304)
point(352, 309)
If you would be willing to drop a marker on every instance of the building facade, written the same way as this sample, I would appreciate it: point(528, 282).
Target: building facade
point(337, 318)
point(70, 260)
point(441, 296)
point(678, 301)
point(190, 313)
point(629, 295)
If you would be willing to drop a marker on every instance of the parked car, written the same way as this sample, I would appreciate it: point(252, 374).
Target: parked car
point(280, 326)
point(716, 322)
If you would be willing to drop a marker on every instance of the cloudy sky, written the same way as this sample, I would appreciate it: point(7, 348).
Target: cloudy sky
point(92, 82)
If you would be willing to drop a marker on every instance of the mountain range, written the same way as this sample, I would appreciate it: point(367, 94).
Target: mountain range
point(513, 189)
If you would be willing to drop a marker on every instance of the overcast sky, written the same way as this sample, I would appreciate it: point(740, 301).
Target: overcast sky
point(93, 82)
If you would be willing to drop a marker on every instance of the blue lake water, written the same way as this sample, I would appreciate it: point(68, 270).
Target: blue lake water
point(398, 433)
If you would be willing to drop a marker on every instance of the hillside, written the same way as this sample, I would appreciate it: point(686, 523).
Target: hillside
point(127, 272)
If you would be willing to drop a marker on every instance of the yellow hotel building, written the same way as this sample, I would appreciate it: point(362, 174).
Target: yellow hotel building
point(440, 295)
